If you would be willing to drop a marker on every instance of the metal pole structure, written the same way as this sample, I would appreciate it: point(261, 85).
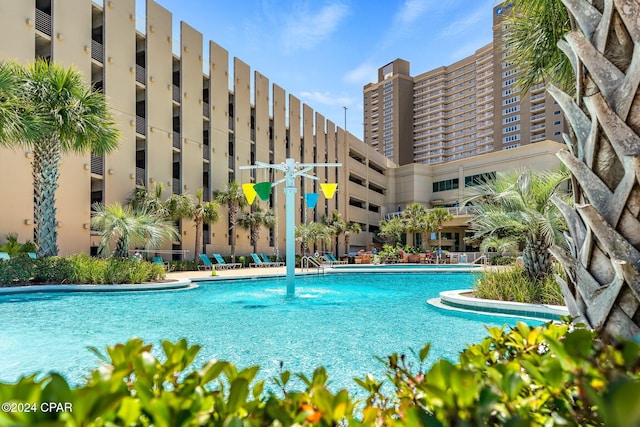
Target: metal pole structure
point(291, 171)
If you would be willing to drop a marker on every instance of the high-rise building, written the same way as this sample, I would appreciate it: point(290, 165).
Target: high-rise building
point(457, 111)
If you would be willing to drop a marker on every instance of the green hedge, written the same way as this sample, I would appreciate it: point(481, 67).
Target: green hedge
point(525, 376)
point(77, 269)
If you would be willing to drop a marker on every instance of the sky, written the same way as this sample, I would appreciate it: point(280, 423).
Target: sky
point(325, 51)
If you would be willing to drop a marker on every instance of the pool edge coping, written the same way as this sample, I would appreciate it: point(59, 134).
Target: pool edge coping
point(454, 300)
point(176, 284)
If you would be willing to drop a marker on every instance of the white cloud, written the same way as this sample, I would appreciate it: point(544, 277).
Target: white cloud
point(465, 23)
point(362, 74)
point(326, 98)
point(411, 11)
point(305, 28)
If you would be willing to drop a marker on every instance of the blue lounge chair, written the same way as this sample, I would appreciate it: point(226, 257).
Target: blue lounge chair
point(333, 260)
point(208, 265)
point(257, 262)
point(4, 256)
point(222, 264)
point(159, 260)
point(32, 255)
point(270, 263)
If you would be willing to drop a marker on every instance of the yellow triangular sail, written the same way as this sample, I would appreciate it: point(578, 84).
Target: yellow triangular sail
point(328, 189)
point(249, 192)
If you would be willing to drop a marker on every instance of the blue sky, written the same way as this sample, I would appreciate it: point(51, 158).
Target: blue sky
point(325, 51)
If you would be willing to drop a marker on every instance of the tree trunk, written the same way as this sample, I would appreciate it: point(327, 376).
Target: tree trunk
point(537, 260)
point(46, 171)
point(198, 249)
point(603, 261)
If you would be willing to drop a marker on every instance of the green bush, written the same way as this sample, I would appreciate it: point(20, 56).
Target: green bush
point(511, 284)
point(502, 260)
point(547, 375)
point(77, 269)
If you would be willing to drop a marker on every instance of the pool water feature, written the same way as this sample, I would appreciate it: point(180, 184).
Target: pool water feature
point(340, 321)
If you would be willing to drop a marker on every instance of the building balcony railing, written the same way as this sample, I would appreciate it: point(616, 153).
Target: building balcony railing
point(206, 194)
point(43, 22)
point(455, 211)
point(141, 176)
point(176, 186)
point(231, 123)
point(205, 109)
point(175, 94)
point(141, 125)
point(97, 51)
point(206, 151)
point(176, 139)
point(97, 165)
point(141, 74)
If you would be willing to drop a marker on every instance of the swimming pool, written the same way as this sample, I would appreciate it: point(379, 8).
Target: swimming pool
point(339, 321)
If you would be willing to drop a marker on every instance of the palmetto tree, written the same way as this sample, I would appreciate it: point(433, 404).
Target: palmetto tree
point(234, 199)
point(519, 204)
point(436, 219)
point(501, 245)
point(123, 227)
point(254, 220)
point(312, 233)
point(337, 225)
point(17, 121)
point(150, 201)
point(184, 206)
point(71, 118)
point(350, 229)
point(417, 220)
point(602, 262)
point(391, 230)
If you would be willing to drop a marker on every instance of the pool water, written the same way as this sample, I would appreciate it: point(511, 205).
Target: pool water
point(339, 321)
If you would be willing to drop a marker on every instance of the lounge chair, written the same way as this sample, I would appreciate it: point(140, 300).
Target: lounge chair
point(257, 262)
point(32, 255)
point(222, 264)
point(333, 260)
point(4, 256)
point(270, 263)
point(208, 265)
point(159, 260)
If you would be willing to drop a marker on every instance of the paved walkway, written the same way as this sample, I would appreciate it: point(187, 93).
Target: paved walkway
point(232, 272)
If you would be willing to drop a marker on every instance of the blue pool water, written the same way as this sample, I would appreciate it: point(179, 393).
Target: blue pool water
point(339, 321)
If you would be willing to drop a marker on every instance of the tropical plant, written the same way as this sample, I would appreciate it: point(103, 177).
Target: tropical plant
point(350, 229)
point(312, 233)
point(17, 121)
point(183, 206)
point(602, 155)
point(391, 230)
point(71, 119)
point(518, 204)
point(124, 227)
point(234, 199)
point(337, 226)
point(418, 220)
point(502, 245)
point(436, 218)
point(13, 247)
point(255, 219)
point(141, 199)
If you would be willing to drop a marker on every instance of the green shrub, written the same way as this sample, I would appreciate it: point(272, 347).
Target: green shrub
point(547, 375)
point(179, 265)
point(502, 260)
point(511, 284)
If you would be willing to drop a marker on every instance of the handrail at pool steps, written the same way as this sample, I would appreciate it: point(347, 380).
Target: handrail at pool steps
point(307, 262)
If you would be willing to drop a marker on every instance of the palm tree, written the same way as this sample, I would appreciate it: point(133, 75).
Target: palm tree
point(417, 220)
point(337, 226)
point(71, 118)
point(436, 219)
point(601, 263)
point(312, 233)
point(183, 206)
point(234, 199)
point(142, 199)
point(391, 230)
point(518, 204)
point(13, 247)
point(126, 227)
point(17, 121)
point(350, 229)
point(253, 220)
point(502, 245)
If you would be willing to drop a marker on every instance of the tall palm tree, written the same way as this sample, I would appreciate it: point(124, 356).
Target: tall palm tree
point(519, 204)
point(337, 225)
point(17, 120)
point(233, 198)
point(417, 220)
point(435, 220)
point(150, 201)
point(312, 233)
point(255, 219)
point(602, 155)
point(126, 227)
point(502, 245)
point(350, 229)
point(183, 206)
point(71, 118)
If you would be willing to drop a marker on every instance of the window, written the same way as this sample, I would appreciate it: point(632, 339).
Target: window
point(388, 104)
point(387, 112)
point(510, 129)
point(478, 179)
point(449, 184)
point(388, 97)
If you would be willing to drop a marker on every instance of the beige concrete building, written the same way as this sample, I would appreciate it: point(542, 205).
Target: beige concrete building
point(190, 123)
point(457, 111)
